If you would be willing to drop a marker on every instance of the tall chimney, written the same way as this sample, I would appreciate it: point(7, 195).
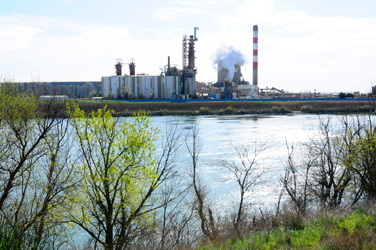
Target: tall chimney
point(132, 68)
point(118, 66)
point(191, 53)
point(255, 53)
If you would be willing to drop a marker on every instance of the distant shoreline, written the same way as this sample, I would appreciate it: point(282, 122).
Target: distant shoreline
point(192, 108)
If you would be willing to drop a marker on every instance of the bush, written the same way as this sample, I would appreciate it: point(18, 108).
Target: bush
point(140, 96)
point(204, 110)
point(9, 239)
point(306, 109)
point(110, 96)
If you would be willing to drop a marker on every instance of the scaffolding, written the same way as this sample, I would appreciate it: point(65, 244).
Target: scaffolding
point(184, 52)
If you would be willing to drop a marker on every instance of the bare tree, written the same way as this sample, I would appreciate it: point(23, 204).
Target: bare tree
point(296, 181)
point(246, 174)
point(330, 177)
point(200, 203)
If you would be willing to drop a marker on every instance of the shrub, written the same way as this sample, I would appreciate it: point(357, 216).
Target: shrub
point(366, 108)
point(306, 109)
point(204, 110)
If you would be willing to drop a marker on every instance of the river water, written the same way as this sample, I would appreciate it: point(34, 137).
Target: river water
point(219, 134)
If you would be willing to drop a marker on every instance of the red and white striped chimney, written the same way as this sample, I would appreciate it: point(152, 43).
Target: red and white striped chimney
point(255, 53)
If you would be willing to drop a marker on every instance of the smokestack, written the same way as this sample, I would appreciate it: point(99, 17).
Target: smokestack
point(191, 53)
point(132, 68)
point(118, 66)
point(255, 53)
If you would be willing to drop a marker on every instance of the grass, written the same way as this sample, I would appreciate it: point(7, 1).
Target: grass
point(356, 231)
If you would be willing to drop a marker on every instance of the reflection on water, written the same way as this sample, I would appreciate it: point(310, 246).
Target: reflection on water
point(218, 134)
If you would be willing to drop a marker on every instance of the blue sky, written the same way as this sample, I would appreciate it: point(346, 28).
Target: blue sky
point(303, 45)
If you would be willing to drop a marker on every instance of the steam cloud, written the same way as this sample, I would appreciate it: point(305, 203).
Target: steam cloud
point(226, 58)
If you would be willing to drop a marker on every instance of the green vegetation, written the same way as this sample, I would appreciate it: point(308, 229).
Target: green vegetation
point(306, 109)
point(227, 107)
point(35, 173)
point(108, 186)
point(328, 231)
point(118, 172)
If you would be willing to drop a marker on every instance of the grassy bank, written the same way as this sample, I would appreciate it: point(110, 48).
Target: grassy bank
point(351, 230)
point(230, 108)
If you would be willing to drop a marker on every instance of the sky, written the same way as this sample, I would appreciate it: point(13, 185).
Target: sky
point(303, 45)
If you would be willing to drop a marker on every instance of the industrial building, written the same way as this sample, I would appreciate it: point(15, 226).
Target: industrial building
point(70, 89)
point(173, 83)
point(148, 86)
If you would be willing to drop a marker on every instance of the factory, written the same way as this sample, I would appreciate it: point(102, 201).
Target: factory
point(172, 83)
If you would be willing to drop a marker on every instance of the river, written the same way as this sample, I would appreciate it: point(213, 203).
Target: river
point(219, 134)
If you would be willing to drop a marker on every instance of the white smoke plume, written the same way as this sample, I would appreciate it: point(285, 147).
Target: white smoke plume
point(226, 58)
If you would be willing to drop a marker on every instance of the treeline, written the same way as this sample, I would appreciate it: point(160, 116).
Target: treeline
point(105, 177)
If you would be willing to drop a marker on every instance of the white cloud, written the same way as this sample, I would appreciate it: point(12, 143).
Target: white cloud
point(58, 53)
point(172, 13)
point(187, 3)
point(16, 38)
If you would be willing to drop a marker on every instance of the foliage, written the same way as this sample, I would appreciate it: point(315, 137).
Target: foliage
point(279, 109)
point(9, 239)
point(33, 167)
point(361, 144)
point(355, 231)
point(110, 96)
point(203, 110)
point(306, 109)
point(119, 174)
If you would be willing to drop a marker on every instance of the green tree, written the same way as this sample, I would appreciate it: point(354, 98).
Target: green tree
point(110, 96)
point(360, 141)
point(119, 172)
point(342, 95)
point(33, 174)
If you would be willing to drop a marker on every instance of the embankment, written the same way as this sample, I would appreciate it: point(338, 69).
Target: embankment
point(121, 108)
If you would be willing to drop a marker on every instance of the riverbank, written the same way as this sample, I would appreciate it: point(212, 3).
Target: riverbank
point(350, 229)
point(122, 108)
